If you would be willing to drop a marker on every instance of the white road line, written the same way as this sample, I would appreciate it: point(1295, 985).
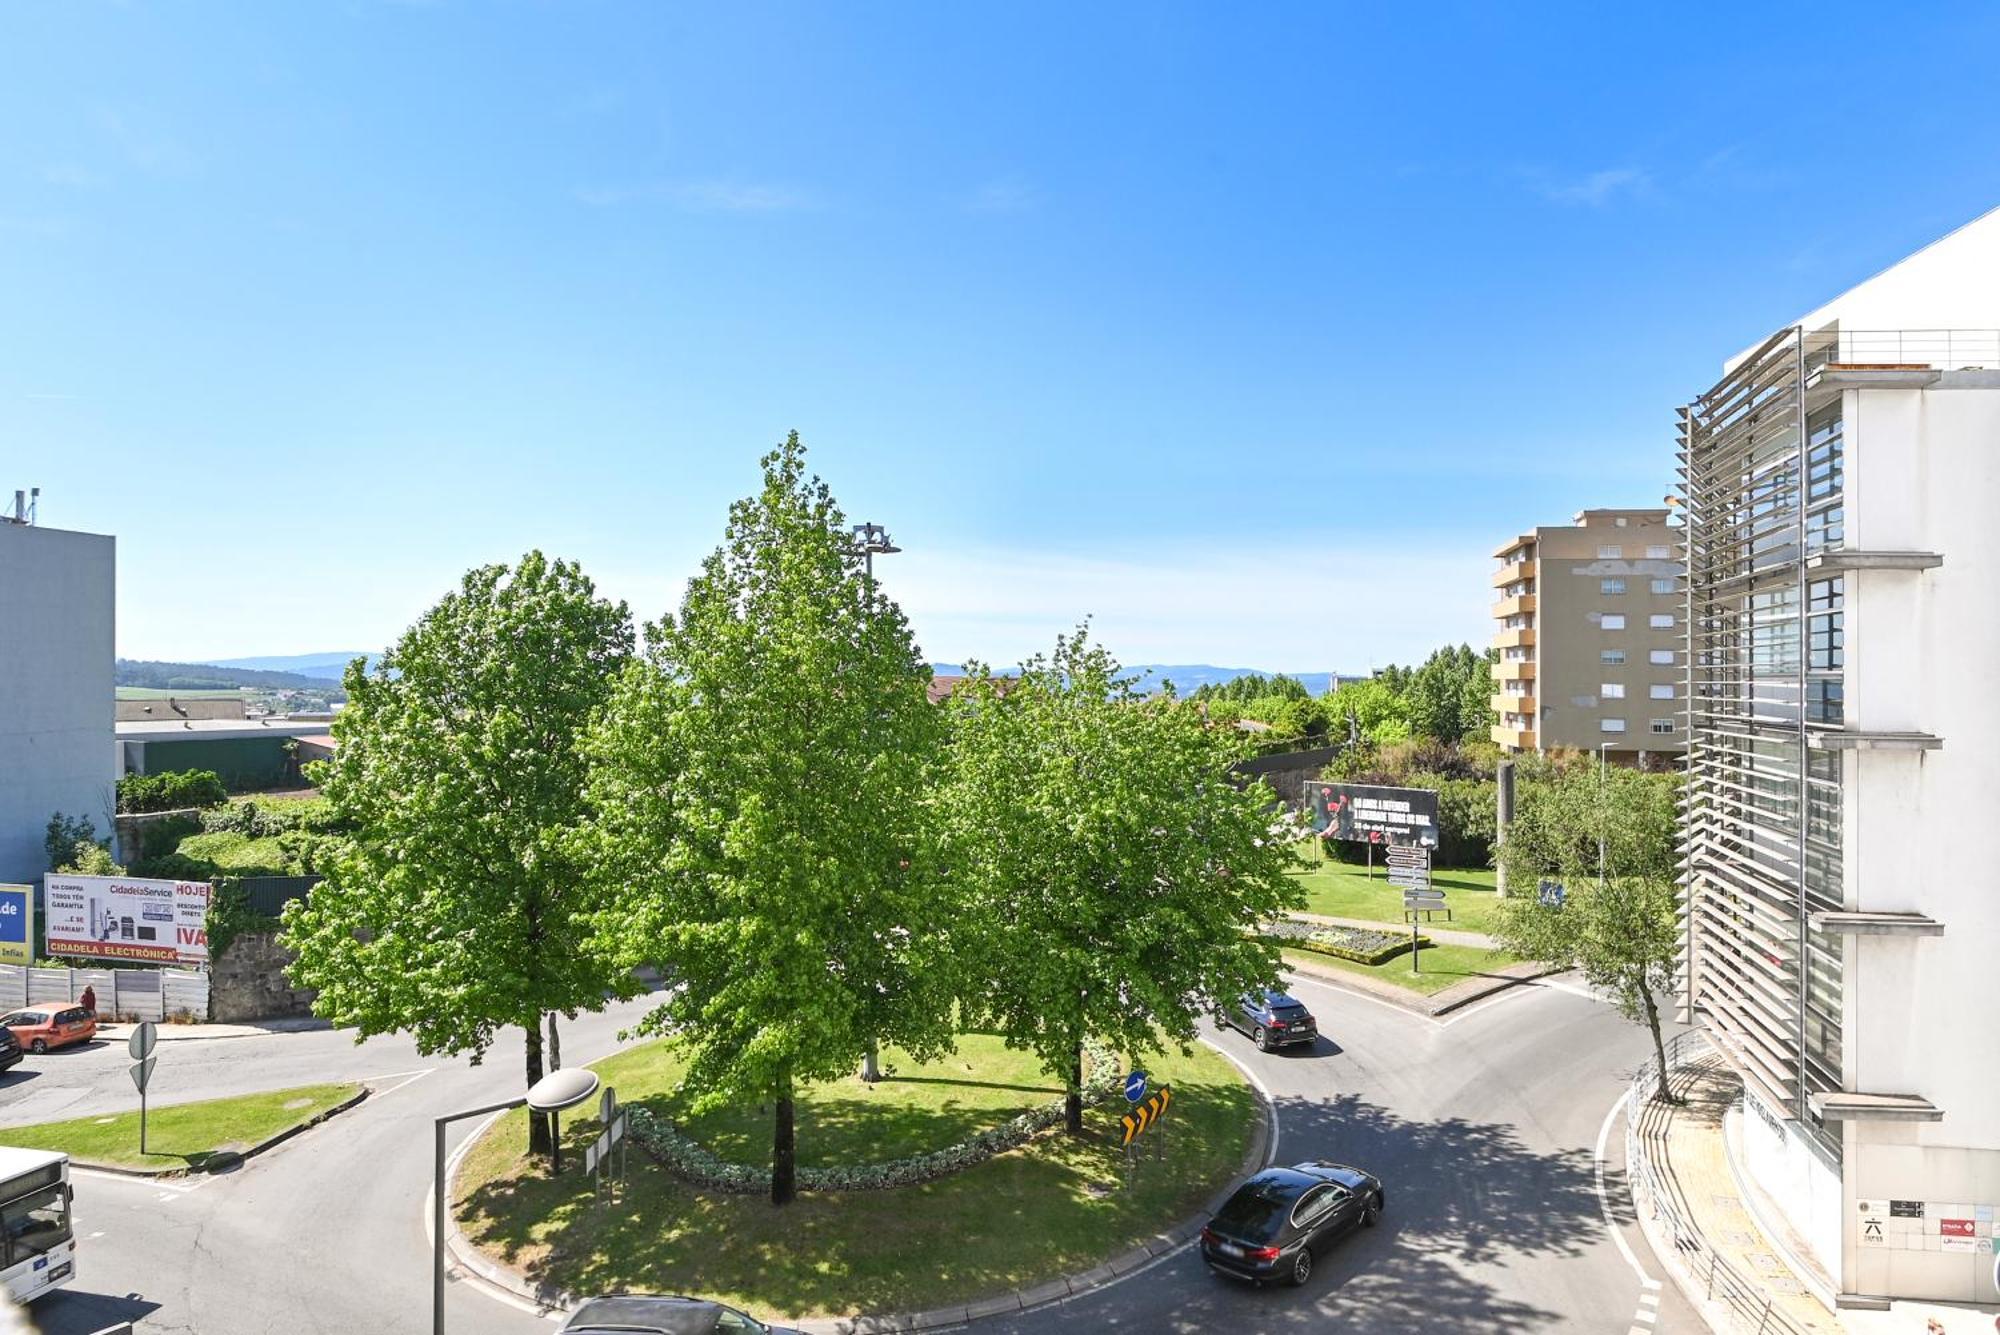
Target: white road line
point(1604, 1201)
point(1270, 1101)
point(409, 1078)
point(1403, 1011)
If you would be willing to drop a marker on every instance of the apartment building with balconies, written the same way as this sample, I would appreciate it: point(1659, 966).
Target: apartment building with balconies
point(1589, 632)
point(1841, 483)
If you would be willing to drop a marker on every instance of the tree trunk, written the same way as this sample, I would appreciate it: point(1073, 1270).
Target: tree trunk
point(555, 1044)
point(870, 1070)
point(1073, 1096)
point(539, 1140)
point(784, 1147)
point(1664, 1093)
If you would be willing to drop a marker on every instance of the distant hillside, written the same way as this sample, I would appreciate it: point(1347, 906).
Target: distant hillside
point(207, 677)
point(1186, 677)
point(321, 667)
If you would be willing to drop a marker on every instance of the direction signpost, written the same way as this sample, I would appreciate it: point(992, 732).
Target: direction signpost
point(140, 1045)
point(1410, 868)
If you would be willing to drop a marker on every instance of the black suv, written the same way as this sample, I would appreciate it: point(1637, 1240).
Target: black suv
point(1272, 1019)
point(10, 1049)
point(1270, 1227)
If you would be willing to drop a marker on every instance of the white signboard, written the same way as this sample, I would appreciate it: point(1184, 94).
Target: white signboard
point(123, 918)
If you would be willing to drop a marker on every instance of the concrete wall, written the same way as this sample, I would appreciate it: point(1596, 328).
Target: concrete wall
point(1924, 474)
point(57, 650)
point(249, 983)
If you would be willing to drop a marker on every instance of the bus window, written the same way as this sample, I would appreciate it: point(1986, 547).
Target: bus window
point(35, 1223)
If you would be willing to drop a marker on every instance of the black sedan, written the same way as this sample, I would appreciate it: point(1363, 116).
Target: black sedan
point(10, 1049)
point(660, 1314)
point(1271, 1226)
point(1272, 1019)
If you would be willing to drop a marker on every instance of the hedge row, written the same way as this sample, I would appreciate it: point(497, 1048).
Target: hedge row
point(171, 791)
point(692, 1161)
point(1359, 944)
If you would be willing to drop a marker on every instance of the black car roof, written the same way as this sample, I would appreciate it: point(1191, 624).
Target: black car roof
point(1282, 999)
point(647, 1313)
point(1321, 1170)
point(1280, 1184)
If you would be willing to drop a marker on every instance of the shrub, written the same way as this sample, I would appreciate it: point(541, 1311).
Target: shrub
point(1362, 945)
point(171, 791)
point(64, 837)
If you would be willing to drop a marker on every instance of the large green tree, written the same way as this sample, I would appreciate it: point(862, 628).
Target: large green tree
point(1606, 835)
point(762, 798)
point(454, 909)
point(1109, 865)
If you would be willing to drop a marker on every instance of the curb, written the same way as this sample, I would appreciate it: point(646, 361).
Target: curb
point(227, 1159)
point(1452, 998)
point(461, 1252)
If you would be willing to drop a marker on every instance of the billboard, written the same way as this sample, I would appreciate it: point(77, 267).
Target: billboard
point(1371, 815)
point(122, 918)
point(17, 924)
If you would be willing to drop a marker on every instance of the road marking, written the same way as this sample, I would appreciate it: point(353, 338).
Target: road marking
point(1271, 1150)
point(1649, 1288)
point(1403, 1011)
point(410, 1078)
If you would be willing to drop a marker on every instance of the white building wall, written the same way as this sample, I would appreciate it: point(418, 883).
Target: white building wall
point(1923, 653)
point(57, 653)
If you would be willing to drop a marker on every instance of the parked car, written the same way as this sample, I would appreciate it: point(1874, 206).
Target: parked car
point(661, 1314)
point(1272, 1019)
point(1272, 1225)
point(10, 1049)
point(39, 1028)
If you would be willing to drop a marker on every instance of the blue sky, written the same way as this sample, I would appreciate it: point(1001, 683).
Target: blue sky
point(1249, 332)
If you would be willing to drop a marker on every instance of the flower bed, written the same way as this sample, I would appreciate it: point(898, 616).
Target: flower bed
point(1362, 945)
point(694, 1162)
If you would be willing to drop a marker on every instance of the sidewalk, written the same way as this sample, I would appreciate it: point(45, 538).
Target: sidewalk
point(167, 1032)
point(1692, 1209)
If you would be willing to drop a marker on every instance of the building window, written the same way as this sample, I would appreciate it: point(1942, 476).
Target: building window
point(1611, 586)
point(1611, 690)
point(1659, 692)
point(1659, 553)
point(1663, 725)
point(1615, 657)
point(1661, 621)
point(1610, 553)
point(1660, 657)
point(1663, 586)
point(1611, 725)
point(1611, 621)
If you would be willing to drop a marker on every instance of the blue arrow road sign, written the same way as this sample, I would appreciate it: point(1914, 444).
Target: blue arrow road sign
point(1135, 1086)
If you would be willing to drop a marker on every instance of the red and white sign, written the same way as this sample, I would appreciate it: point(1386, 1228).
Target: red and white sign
point(1957, 1228)
point(123, 918)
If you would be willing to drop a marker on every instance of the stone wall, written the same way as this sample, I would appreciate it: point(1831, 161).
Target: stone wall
point(248, 982)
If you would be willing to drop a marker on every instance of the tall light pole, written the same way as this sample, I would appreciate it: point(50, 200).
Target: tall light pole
point(869, 539)
point(1602, 748)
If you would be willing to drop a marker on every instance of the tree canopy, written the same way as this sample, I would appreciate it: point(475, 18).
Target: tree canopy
point(453, 908)
point(761, 797)
point(1111, 869)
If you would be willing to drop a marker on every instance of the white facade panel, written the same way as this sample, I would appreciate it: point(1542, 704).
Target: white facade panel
point(57, 653)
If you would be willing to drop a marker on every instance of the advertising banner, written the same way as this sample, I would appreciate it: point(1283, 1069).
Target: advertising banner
point(121, 918)
point(1373, 815)
point(17, 924)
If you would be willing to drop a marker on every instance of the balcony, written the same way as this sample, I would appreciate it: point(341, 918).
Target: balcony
point(1514, 739)
point(1519, 604)
point(1514, 670)
point(1505, 703)
point(1520, 638)
point(1513, 573)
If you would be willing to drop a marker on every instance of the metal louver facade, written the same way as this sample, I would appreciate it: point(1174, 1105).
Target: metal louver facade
point(1761, 483)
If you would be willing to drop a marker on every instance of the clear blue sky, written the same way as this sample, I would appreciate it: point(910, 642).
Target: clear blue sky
point(1249, 331)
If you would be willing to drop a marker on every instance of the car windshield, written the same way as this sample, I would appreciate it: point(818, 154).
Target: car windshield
point(35, 1222)
point(1255, 1211)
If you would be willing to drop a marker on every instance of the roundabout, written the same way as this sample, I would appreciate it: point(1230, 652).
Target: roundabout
point(972, 1225)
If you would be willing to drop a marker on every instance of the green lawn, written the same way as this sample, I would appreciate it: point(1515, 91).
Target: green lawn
point(1013, 1221)
point(242, 854)
point(1340, 891)
point(1442, 966)
point(180, 1135)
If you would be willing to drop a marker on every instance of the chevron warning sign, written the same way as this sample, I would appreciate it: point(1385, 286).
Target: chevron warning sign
point(1147, 1113)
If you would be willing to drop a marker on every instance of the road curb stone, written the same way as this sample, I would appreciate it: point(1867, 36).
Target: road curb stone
point(461, 1252)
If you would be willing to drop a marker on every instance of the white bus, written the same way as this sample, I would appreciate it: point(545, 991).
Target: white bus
point(40, 1251)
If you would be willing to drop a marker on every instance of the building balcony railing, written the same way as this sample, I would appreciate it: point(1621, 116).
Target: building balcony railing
point(1508, 703)
point(1518, 605)
point(1517, 739)
point(1514, 669)
point(1513, 573)
point(1938, 349)
point(1521, 637)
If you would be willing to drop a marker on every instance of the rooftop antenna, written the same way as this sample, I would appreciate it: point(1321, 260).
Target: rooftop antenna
point(25, 505)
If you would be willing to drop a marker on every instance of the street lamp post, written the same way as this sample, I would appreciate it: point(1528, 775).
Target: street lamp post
point(870, 539)
point(1602, 748)
point(551, 1094)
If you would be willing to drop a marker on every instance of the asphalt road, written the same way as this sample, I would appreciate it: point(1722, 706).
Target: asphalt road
point(1483, 1127)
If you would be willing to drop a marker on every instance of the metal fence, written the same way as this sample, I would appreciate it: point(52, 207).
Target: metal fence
point(144, 994)
point(1749, 1303)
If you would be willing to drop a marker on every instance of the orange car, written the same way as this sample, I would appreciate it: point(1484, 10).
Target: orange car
point(39, 1028)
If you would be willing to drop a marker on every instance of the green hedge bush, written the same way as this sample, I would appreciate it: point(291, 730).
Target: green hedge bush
point(171, 791)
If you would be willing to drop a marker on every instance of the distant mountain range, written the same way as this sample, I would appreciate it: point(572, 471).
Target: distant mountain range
point(315, 669)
